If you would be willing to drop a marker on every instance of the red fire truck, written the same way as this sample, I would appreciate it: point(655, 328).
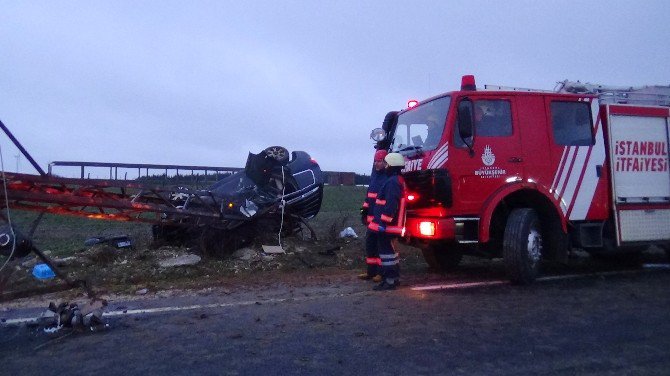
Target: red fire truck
point(527, 175)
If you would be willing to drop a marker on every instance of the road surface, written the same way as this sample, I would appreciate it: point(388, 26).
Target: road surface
point(611, 323)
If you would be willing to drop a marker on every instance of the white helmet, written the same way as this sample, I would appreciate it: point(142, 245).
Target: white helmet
point(395, 160)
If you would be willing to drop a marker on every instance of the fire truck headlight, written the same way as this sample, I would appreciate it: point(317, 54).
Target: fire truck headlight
point(427, 228)
point(378, 134)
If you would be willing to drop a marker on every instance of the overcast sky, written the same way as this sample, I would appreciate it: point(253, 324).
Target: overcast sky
point(203, 83)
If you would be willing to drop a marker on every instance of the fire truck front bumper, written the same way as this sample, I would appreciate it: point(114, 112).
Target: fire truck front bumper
point(430, 228)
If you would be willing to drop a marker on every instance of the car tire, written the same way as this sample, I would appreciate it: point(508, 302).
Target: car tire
point(522, 246)
point(278, 153)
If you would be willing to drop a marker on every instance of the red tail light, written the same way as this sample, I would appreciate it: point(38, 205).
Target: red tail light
point(411, 197)
point(412, 103)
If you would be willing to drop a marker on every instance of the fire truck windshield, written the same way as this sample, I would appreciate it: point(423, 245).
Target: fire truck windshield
point(420, 128)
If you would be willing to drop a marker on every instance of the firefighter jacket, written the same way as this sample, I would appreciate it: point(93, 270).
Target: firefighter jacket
point(389, 208)
point(377, 178)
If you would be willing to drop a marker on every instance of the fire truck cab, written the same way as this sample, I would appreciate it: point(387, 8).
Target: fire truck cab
point(525, 174)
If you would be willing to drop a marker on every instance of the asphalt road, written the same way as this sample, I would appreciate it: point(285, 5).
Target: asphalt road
point(607, 324)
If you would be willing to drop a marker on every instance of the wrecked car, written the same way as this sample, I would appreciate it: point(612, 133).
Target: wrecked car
point(276, 192)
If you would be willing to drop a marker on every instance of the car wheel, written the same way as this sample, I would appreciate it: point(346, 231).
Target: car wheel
point(278, 153)
point(522, 246)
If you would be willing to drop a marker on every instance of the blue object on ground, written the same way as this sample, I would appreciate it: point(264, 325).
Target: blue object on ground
point(43, 271)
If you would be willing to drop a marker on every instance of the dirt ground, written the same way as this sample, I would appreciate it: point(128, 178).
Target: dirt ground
point(150, 267)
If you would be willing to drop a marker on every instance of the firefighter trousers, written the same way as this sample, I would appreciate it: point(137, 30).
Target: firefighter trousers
point(372, 254)
point(386, 245)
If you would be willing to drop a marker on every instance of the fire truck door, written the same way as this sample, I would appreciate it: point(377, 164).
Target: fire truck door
point(638, 148)
point(497, 157)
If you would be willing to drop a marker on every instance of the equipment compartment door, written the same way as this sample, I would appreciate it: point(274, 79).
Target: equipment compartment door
point(638, 151)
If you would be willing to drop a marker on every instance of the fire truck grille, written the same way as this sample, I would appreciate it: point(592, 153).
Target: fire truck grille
point(433, 187)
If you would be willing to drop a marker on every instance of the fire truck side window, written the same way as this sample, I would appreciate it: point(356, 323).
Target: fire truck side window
point(493, 118)
point(571, 123)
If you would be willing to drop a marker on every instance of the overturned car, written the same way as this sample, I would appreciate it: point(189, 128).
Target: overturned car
point(275, 194)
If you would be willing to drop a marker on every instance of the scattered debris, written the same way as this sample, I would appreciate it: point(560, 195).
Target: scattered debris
point(121, 241)
point(65, 315)
point(43, 271)
point(273, 249)
point(348, 233)
point(187, 259)
point(143, 291)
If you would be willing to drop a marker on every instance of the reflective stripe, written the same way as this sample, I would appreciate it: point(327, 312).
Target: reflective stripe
point(395, 230)
point(386, 218)
point(390, 263)
point(389, 256)
point(372, 195)
point(380, 202)
point(373, 226)
point(366, 205)
point(373, 261)
point(369, 218)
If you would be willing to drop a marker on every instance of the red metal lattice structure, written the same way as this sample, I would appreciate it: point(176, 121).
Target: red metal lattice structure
point(94, 198)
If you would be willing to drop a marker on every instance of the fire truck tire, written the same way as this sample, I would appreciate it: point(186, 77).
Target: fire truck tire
point(522, 246)
point(442, 257)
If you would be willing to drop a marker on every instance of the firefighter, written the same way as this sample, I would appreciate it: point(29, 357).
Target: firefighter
point(377, 178)
point(389, 220)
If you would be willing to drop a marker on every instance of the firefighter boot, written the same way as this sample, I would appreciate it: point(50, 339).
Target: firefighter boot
point(365, 276)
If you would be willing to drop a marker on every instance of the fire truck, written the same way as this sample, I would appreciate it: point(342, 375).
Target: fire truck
point(528, 175)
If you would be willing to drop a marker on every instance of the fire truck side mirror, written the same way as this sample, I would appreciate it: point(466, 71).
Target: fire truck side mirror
point(389, 120)
point(465, 121)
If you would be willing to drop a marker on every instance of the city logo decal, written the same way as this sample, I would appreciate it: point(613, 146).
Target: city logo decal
point(488, 157)
point(489, 171)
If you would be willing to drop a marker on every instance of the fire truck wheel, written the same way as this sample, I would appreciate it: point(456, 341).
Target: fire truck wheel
point(442, 257)
point(522, 246)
